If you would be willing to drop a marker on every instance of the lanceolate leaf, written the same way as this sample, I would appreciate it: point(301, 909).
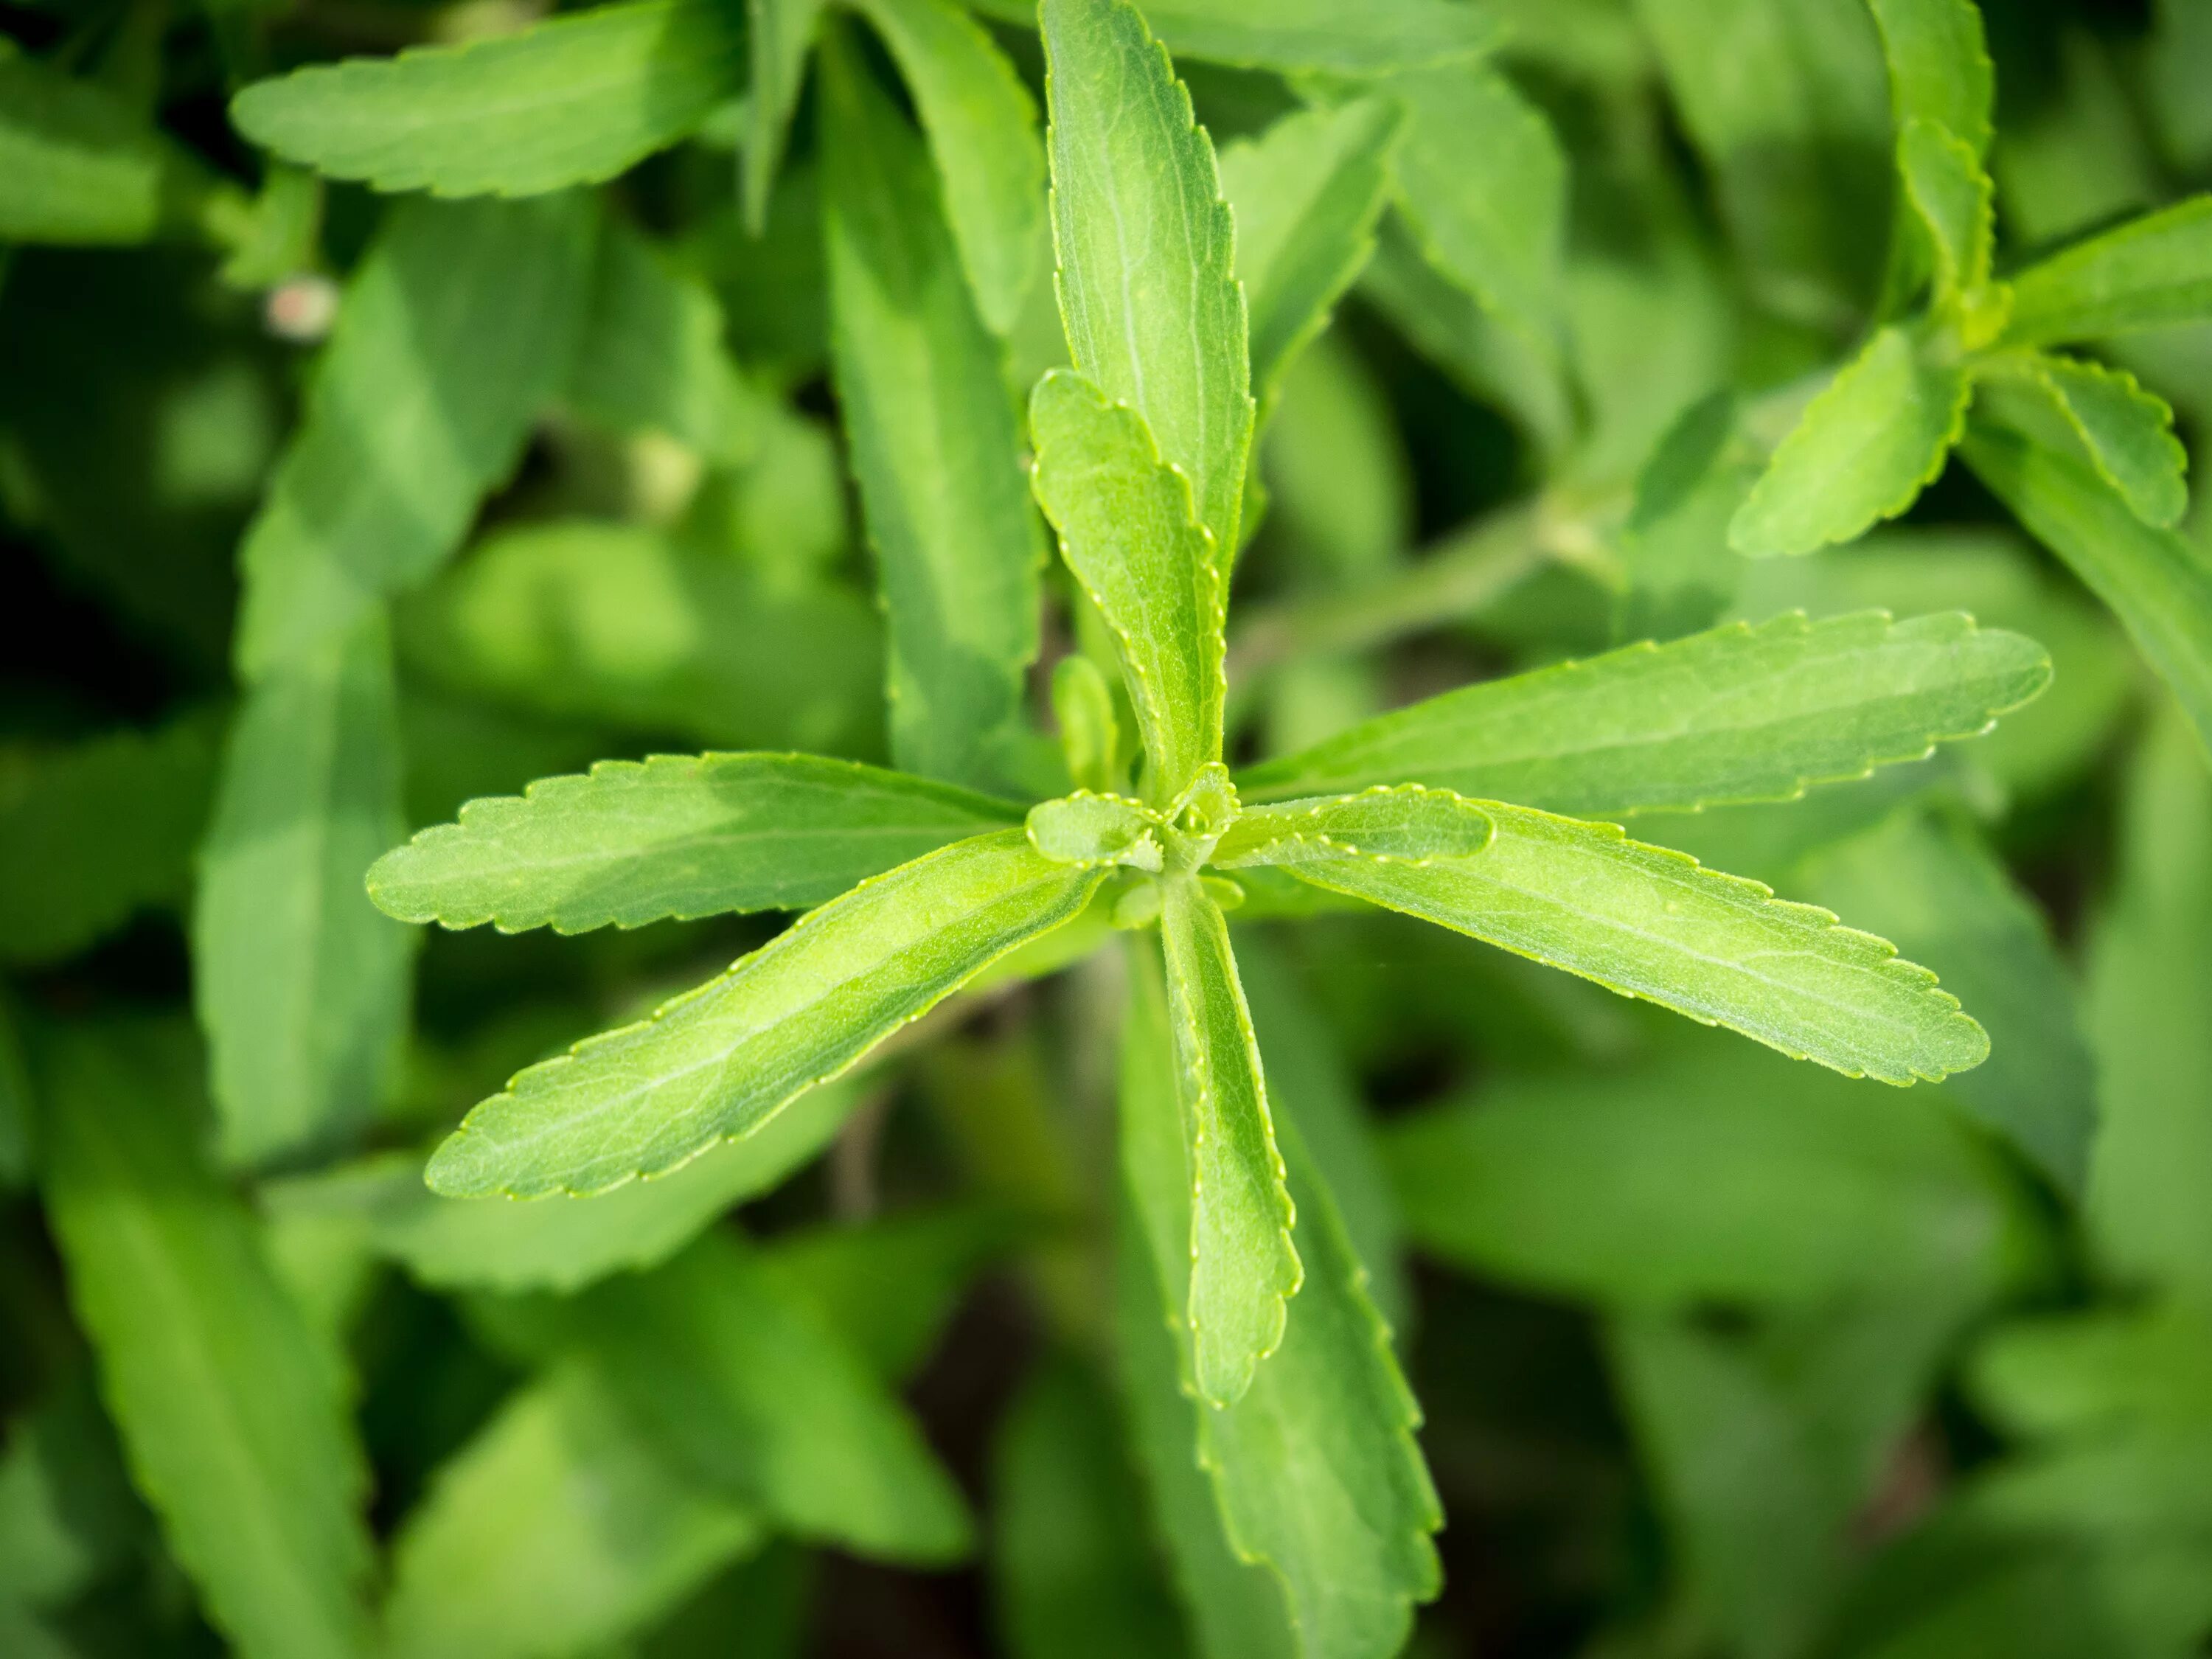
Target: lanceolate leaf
point(568, 101)
point(455, 331)
point(674, 837)
point(716, 1064)
point(1315, 1468)
point(2127, 432)
point(1939, 66)
point(231, 1411)
point(935, 443)
point(1651, 923)
point(1809, 1189)
point(1146, 248)
point(1863, 449)
point(91, 832)
point(1482, 181)
point(2155, 582)
point(2150, 273)
point(746, 1387)
point(982, 123)
point(651, 355)
point(1383, 36)
point(560, 1524)
point(782, 31)
point(1127, 530)
point(1243, 1267)
point(1737, 713)
point(301, 987)
point(78, 165)
point(1306, 194)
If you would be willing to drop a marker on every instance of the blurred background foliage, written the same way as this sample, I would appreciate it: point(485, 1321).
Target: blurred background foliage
point(1719, 1354)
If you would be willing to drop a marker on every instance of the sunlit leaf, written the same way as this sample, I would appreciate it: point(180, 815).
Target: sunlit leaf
point(716, 1063)
point(1408, 822)
point(1737, 713)
point(1145, 250)
point(934, 442)
point(1864, 450)
point(570, 100)
point(231, 1411)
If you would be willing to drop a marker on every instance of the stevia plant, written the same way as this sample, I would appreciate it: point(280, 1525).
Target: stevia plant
point(1485, 810)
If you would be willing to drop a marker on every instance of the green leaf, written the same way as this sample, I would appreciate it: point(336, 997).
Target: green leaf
point(2097, 1371)
point(1074, 1564)
point(1243, 1267)
point(1786, 102)
point(673, 837)
point(1306, 194)
point(300, 986)
point(1941, 896)
point(91, 833)
point(1939, 66)
point(782, 32)
point(2151, 272)
point(1862, 451)
point(1956, 203)
point(2150, 970)
point(561, 1243)
point(718, 1063)
point(1146, 251)
point(18, 1109)
point(1406, 822)
point(1315, 1468)
point(983, 128)
point(1806, 1188)
point(651, 355)
point(456, 330)
point(558, 1526)
point(1482, 182)
point(619, 625)
point(231, 1411)
point(67, 1516)
point(570, 100)
point(2126, 431)
point(1737, 713)
point(744, 1385)
point(2154, 581)
point(1655, 924)
point(935, 443)
point(1127, 530)
point(1099, 830)
point(79, 165)
point(1308, 35)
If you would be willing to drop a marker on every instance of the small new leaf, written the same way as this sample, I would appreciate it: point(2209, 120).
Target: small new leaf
point(1408, 822)
point(2127, 432)
point(1087, 829)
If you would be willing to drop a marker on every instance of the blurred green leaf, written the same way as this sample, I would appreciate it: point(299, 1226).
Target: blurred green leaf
point(300, 986)
point(2148, 273)
point(717, 1062)
point(782, 32)
point(1737, 713)
point(1306, 194)
point(568, 101)
point(1145, 251)
point(1939, 66)
point(558, 1528)
point(2150, 968)
point(68, 1517)
point(2106, 1372)
point(2154, 581)
point(1864, 450)
point(1315, 1469)
point(92, 832)
point(741, 1382)
point(1946, 185)
point(1654, 924)
point(1074, 1569)
point(456, 331)
point(79, 165)
point(673, 837)
point(231, 1411)
point(1806, 1188)
point(19, 1113)
point(983, 128)
point(1128, 531)
point(2126, 431)
point(620, 625)
point(934, 444)
point(1941, 896)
